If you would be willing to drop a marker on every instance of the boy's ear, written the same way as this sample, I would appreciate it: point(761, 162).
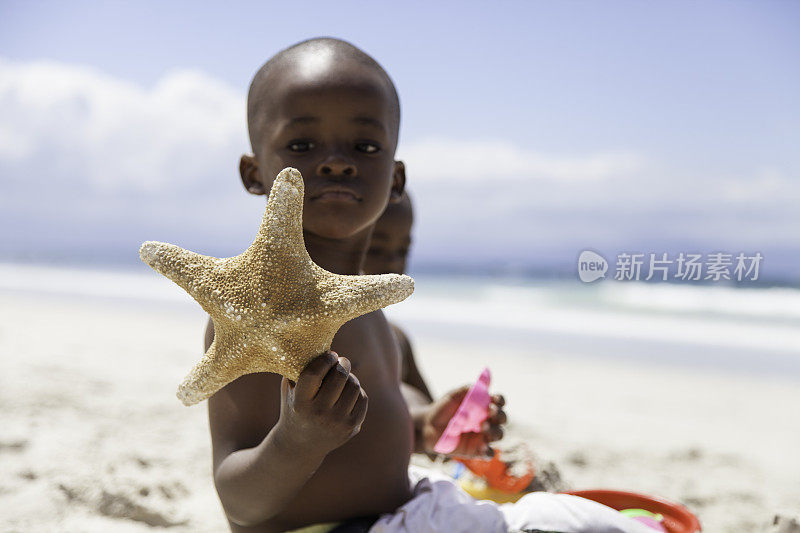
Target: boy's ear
point(251, 177)
point(398, 182)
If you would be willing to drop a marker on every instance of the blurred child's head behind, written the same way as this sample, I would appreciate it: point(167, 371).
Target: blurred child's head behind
point(328, 109)
point(391, 239)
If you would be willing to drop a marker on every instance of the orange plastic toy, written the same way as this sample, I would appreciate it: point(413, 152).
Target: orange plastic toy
point(495, 472)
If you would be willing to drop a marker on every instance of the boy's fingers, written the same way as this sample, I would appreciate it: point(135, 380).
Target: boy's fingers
point(349, 396)
point(359, 411)
point(493, 433)
point(497, 415)
point(310, 379)
point(499, 400)
point(334, 382)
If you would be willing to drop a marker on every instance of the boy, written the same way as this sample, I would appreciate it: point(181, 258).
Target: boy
point(387, 253)
point(288, 455)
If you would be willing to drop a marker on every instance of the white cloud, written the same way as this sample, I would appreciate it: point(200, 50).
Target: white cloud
point(78, 124)
point(479, 160)
point(85, 156)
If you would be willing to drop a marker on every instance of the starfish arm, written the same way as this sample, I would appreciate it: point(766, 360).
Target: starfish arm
point(352, 296)
point(187, 269)
point(273, 308)
point(282, 224)
point(215, 370)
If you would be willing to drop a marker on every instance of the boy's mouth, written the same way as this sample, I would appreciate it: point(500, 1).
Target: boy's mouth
point(336, 193)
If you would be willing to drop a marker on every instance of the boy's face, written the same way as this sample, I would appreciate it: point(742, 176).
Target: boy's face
point(391, 240)
point(333, 122)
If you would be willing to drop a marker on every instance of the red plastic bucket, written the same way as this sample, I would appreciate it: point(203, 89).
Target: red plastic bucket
point(677, 518)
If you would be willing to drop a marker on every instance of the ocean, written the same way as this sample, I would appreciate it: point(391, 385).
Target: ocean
point(716, 328)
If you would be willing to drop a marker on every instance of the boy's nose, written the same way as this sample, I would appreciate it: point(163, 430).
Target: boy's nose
point(336, 166)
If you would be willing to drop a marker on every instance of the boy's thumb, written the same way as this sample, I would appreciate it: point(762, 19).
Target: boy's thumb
point(459, 393)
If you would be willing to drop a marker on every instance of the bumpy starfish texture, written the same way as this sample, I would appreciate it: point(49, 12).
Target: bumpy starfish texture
point(273, 308)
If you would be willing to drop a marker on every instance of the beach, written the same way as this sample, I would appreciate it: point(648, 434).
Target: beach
point(689, 394)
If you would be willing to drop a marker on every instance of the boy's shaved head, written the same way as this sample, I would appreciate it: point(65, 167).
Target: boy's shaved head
point(307, 59)
point(329, 110)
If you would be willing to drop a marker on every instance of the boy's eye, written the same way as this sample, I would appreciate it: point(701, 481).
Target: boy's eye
point(367, 148)
point(301, 146)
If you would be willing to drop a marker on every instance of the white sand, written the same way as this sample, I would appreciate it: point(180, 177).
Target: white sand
point(93, 439)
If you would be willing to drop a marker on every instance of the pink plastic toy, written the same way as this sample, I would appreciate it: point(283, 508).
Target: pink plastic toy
point(473, 410)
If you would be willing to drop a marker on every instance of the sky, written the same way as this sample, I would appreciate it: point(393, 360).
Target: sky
point(530, 130)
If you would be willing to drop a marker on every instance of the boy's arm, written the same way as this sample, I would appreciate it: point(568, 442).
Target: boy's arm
point(245, 477)
point(266, 450)
point(410, 374)
point(415, 392)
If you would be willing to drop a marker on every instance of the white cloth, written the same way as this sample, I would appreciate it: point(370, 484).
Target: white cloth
point(439, 506)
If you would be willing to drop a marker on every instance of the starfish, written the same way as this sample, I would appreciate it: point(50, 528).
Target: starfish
point(274, 309)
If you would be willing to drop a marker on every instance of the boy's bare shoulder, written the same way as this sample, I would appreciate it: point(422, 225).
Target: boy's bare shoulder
point(369, 343)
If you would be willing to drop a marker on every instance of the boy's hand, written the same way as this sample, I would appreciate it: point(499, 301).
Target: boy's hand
point(470, 444)
point(325, 408)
